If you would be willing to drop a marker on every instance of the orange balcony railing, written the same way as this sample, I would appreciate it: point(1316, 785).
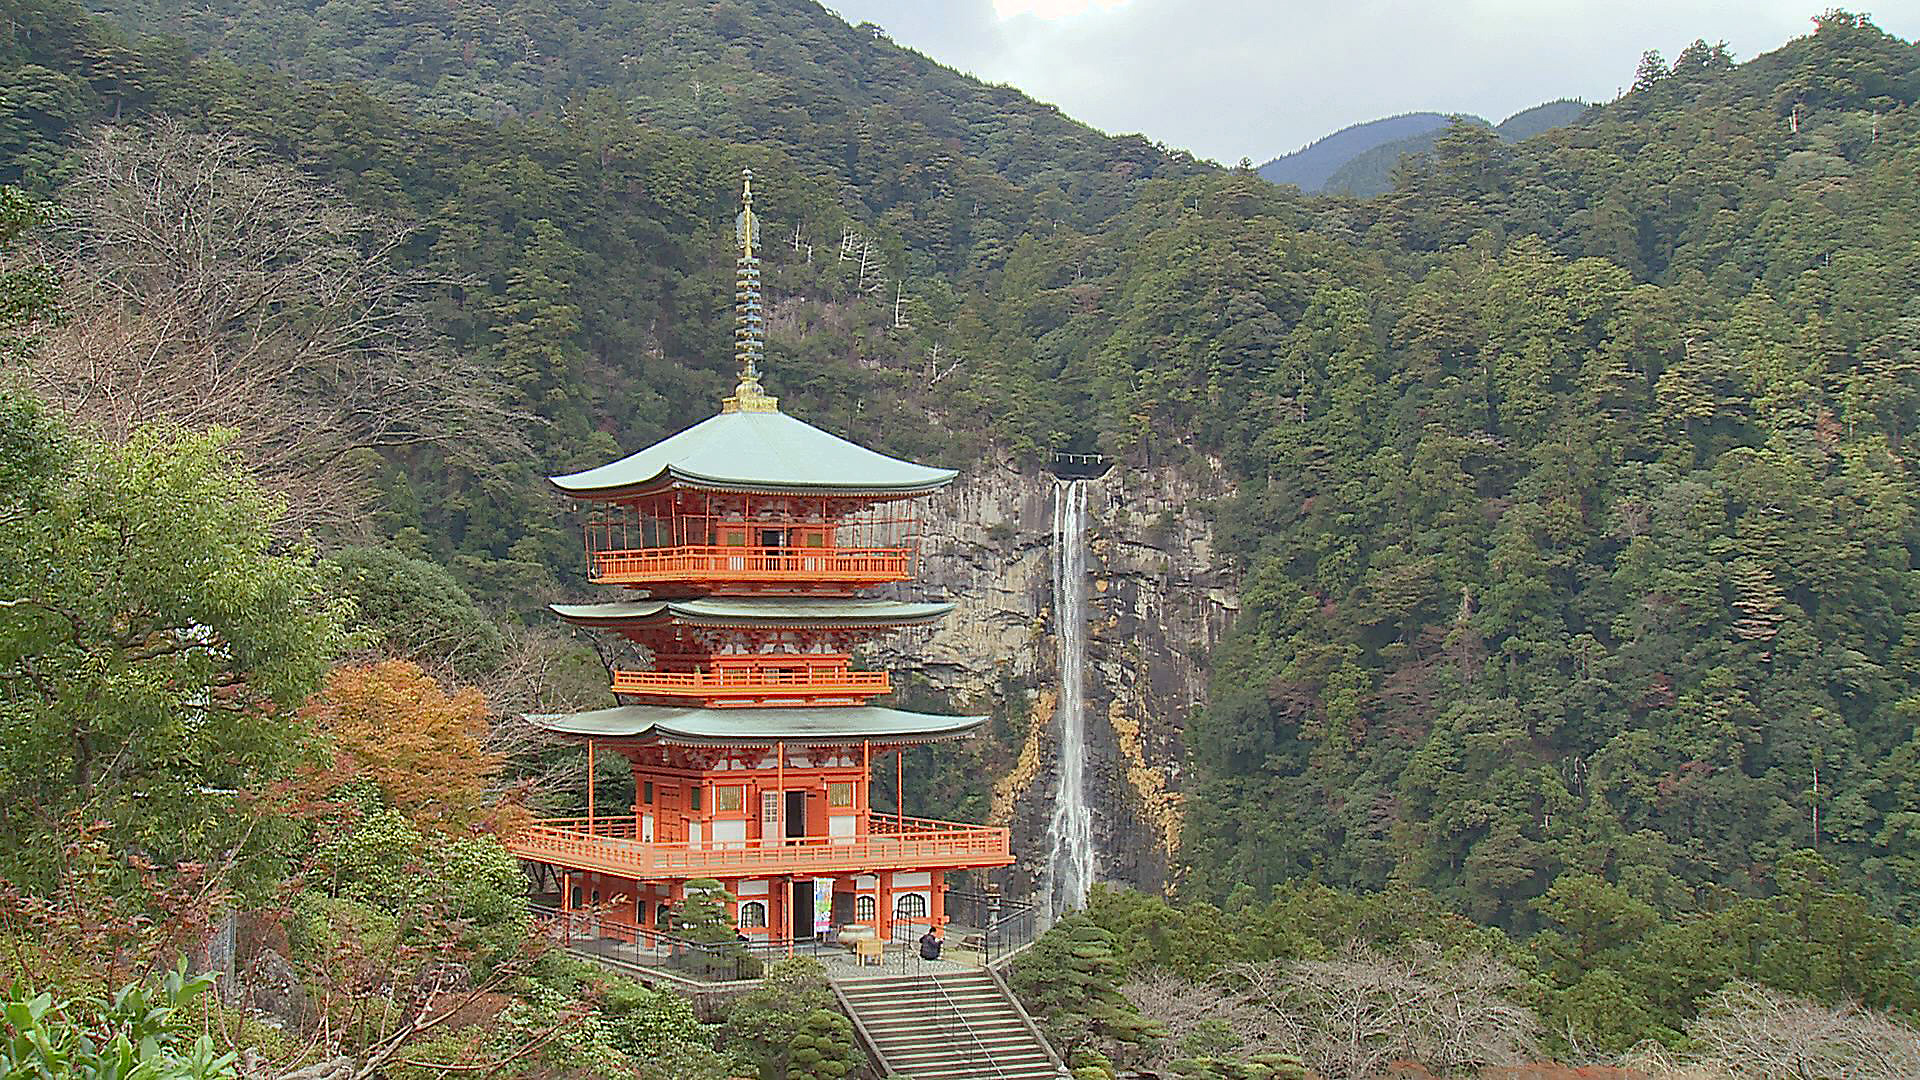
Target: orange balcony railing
point(610, 847)
point(746, 686)
point(751, 565)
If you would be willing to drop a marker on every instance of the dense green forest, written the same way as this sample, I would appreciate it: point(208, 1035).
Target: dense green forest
point(1572, 512)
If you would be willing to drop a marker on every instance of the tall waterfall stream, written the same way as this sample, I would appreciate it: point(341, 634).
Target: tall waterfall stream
point(1069, 869)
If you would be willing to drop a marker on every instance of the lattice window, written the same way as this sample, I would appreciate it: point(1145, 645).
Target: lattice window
point(910, 906)
point(753, 914)
point(863, 908)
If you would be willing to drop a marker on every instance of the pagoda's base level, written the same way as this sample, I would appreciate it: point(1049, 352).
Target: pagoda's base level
point(777, 909)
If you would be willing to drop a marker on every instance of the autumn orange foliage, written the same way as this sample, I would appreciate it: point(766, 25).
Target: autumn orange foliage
point(424, 748)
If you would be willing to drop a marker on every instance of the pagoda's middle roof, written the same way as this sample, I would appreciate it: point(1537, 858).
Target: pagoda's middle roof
point(676, 725)
point(754, 611)
point(757, 452)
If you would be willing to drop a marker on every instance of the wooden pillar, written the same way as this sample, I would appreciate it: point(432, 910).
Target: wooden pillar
point(883, 905)
point(864, 793)
point(589, 787)
point(937, 898)
point(900, 789)
point(780, 800)
point(566, 907)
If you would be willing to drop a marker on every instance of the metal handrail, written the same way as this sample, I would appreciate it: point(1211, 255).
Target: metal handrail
point(650, 947)
point(972, 1035)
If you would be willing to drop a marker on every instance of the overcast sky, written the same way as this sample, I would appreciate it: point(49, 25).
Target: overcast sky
point(1233, 78)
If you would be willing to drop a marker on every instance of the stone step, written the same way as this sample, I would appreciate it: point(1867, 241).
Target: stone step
point(957, 1026)
point(906, 1026)
point(882, 1006)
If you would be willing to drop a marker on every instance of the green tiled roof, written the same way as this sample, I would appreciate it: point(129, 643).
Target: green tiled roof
point(772, 611)
point(758, 726)
point(758, 451)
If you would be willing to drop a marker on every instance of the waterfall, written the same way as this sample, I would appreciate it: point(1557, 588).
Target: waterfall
point(1068, 873)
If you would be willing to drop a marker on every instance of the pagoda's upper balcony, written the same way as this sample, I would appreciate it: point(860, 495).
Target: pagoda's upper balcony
point(610, 846)
point(811, 679)
point(726, 565)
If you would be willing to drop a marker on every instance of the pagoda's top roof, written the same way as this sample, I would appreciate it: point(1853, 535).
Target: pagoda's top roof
point(754, 611)
point(757, 452)
point(677, 726)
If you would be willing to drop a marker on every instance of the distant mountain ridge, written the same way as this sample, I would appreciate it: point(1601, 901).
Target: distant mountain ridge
point(1310, 166)
point(1359, 160)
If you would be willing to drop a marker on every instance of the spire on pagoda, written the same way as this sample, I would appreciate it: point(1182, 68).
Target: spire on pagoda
point(749, 327)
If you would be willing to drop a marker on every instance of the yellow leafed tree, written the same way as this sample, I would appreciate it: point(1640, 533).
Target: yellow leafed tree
point(424, 748)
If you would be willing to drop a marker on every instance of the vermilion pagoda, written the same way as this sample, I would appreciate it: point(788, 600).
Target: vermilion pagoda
point(743, 544)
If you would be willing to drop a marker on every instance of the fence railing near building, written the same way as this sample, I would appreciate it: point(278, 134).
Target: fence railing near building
point(1003, 925)
point(646, 947)
point(985, 922)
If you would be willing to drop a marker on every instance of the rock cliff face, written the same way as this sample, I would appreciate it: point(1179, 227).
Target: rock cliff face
point(1158, 602)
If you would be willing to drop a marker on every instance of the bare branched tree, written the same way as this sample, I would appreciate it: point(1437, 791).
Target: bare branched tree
point(868, 266)
point(935, 372)
point(1183, 1007)
point(1351, 1016)
point(211, 287)
point(1751, 1031)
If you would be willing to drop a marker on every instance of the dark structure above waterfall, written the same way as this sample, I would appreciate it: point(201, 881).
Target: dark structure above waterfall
point(1079, 466)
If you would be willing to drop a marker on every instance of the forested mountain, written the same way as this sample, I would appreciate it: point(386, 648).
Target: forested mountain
point(1371, 172)
point(1308, 167)
point(1527, 123)
point(1573, 506)
point(957, 162)
point(1359, 159)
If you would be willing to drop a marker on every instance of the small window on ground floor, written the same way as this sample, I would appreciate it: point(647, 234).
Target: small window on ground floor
point(840, 794)
point(753, 913)
point(863, 909)
point(910, 906)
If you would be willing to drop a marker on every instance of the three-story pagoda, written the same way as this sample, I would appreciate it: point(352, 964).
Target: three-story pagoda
point(745, 546)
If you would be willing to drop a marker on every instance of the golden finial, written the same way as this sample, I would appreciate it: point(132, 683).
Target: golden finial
point(749, 330)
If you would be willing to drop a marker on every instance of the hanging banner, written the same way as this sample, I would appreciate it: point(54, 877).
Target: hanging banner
point(822, 905)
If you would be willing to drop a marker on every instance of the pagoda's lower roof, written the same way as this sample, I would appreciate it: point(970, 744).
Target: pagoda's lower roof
point(677, 726)
point(753, 611)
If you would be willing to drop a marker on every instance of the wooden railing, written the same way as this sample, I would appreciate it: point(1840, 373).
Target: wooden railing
point(621, 566)
point(896, 824)
point(610, 847)
point(745, 685)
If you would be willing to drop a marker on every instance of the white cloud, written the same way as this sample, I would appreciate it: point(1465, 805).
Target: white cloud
point(1258, 78)
point(1050, 9)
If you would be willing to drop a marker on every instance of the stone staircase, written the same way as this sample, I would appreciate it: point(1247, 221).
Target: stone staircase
point(957, 1026)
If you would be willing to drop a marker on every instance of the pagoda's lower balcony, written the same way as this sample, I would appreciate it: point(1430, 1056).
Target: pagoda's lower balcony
point(756, 686)
point(611, 847)
point(734, 565)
